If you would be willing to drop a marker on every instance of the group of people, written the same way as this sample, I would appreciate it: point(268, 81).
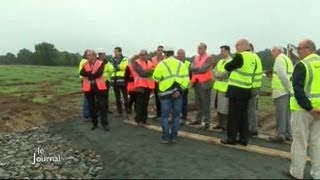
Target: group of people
point(230, 87)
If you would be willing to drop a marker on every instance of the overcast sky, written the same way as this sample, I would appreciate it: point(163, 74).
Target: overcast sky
point(75, 25)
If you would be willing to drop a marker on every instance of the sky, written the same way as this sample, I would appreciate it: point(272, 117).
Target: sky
point(75, 25)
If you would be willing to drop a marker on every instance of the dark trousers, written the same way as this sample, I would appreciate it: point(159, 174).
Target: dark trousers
point(157, 98)
point(238, 119)
point(123, 91)
point(185, 105)
point(107, 95)
point(132, 101)
point(142, 101)
point(100, 107)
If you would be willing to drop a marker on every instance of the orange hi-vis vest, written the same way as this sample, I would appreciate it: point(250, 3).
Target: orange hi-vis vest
point(86, 83)
point(143, 81)
point(203, 77)
point(155, 61)
point(133, 74)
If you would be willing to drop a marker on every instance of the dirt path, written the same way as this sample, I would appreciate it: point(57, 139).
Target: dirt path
point(132, 152)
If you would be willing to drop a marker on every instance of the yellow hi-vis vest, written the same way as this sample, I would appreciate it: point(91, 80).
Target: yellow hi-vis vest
point(221, 85)
point(82, 61)
point(169, 71)
point(118, 75)
point(243, 77)
point(257, 76)
point(107, 72)
point(276, 83)
point(311, 83)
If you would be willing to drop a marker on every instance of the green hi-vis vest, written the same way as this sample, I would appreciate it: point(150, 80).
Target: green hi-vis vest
point(257, 76)
point(311, 83)
point(169, 71)
point(118, 76)
point(243, 77)
point(276, 83)
point(222, 84)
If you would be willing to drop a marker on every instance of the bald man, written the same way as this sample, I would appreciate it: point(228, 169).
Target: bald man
point(305, 107)
point(241, 69)
point(281, 87)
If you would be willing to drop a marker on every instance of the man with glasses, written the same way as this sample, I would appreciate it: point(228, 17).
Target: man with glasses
point(143, 86)
point(305, 107)
point(281, 87)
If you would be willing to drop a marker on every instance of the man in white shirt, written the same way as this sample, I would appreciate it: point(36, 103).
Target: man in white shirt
point(281, 86)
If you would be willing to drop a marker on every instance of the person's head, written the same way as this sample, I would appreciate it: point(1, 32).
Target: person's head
point(85, 53)
point(117, 52)
point(276, 51)
point(91, 55)
point(225, 51)
point(102, 56)
point(202, 48)
point(159, 51)
point(305, 48)
point(134, 58)
point(251, 47)
point(143, 55)
point(242, 45)
point(181, 54)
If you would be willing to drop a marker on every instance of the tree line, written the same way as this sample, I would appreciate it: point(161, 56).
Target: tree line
point(48, 55)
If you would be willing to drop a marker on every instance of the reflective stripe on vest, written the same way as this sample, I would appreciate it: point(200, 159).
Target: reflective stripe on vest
point(143, 81)
point(243, 77)
point(120, 74)
point(276, 82)
point(312, 81)
point(201, 77)
point(221, 84)
point(86, 83)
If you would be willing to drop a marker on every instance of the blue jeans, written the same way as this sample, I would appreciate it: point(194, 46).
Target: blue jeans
point(169, 106)
point(85, 108)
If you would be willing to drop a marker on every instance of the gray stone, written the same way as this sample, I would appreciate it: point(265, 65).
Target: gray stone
point(26, 147)
point(8, 157)
point(23, 173)
point(48, 175)
point(2, 171)
point(5, 117)
point(19, 162)
point(11, 152)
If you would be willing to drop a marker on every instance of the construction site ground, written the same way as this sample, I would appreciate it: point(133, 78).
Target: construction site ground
point(35, 96)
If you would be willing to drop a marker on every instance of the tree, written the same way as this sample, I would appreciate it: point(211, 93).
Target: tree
point(25, 56)
point(46, 54)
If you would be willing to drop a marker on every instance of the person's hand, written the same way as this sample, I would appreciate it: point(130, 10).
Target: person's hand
point(176, 94)
point(315, 112)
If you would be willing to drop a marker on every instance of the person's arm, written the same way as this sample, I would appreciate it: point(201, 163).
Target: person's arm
point(157, 73)
point(298, 78)
point(206, 66)
point(281, 70)
point(140, 71)
point(95, 75)
point(235, 63)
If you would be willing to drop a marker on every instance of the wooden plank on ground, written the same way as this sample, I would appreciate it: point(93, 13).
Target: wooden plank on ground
point(214, 140)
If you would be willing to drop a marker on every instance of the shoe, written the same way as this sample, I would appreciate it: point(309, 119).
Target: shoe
point(227, 141)
point(288, 175)
point(207, 126)
point(277, 139)
point(242, 142)
point(254, 133)
point(289, 138)
point(94, 127)
point(106, 128)
point(195, 123)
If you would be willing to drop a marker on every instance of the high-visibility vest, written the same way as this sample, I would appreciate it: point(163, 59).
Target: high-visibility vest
point(133, 74)
point(187, 63)
point(257, 75)
point(168, 72)
point(86, 83)
point(155, 61)
point(201, 77)
point(106, 72)
point(221, 85)
point(311, 83)
point(145, 82)
point(243, 77)
point(276, 83)
point(118, 76)
point(82, 61)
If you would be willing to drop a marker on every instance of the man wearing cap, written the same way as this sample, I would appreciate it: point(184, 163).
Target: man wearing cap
point(202, 80)
point(173, 78)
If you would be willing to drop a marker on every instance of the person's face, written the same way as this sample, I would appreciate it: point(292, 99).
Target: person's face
point(102, 56)
point(201, 49)
point(181, 55)
point(143, 55)
point(239, 47)
point(303, 50)
point(116, 53)
point(91, 56)
point(275, 52)
point(159, 51)
point(224, 53)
